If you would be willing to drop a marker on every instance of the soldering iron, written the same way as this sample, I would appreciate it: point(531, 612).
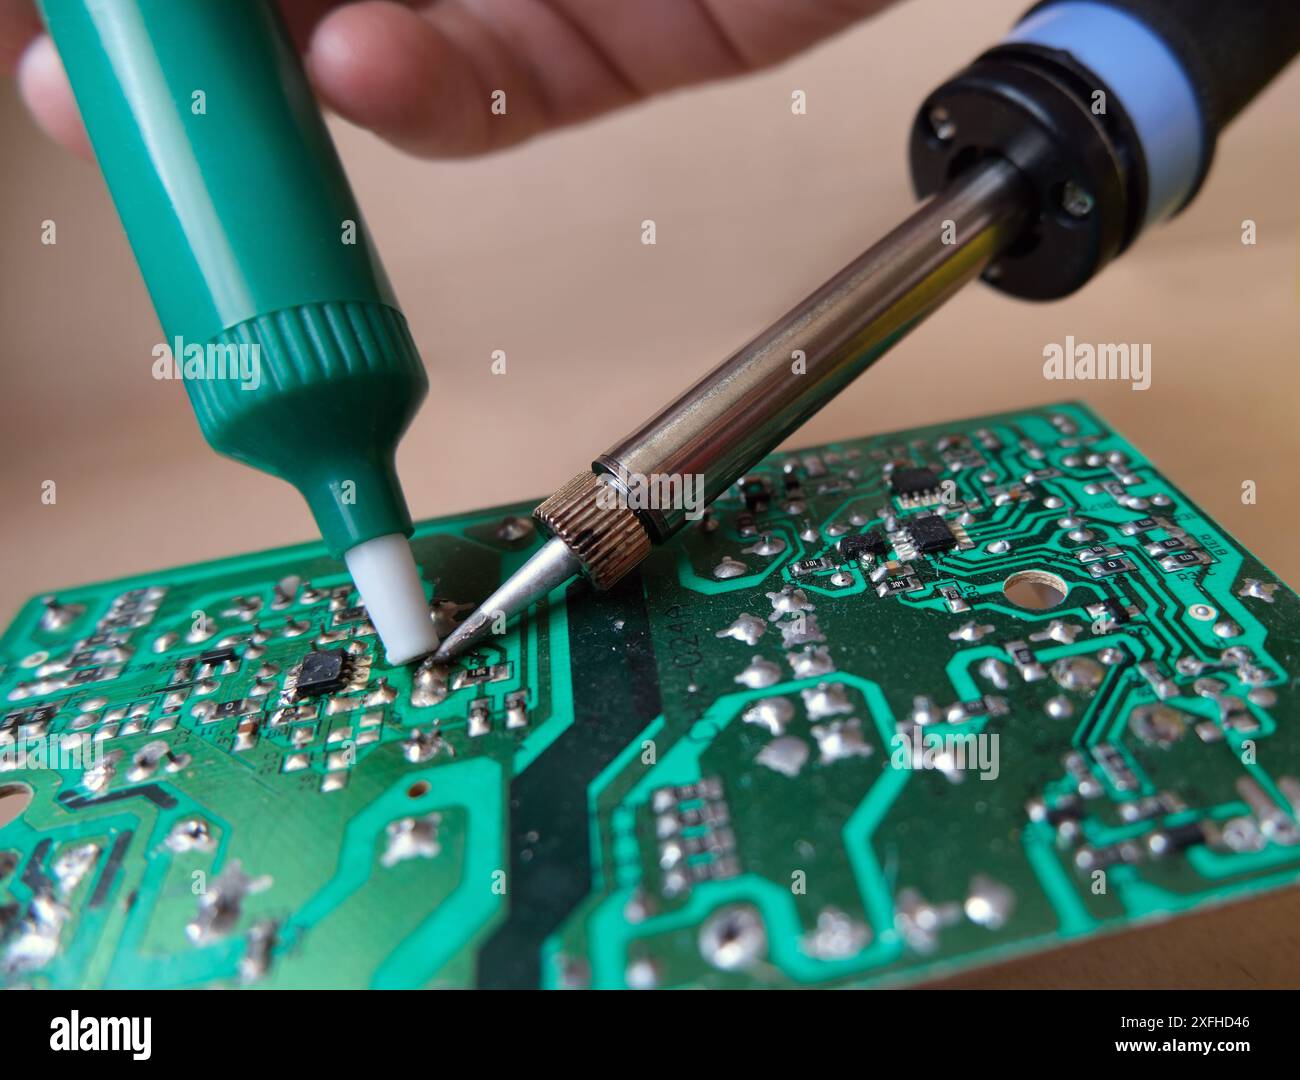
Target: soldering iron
point(1040, 162)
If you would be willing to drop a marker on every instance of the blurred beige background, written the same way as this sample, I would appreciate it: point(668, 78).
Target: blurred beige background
point(537, 251)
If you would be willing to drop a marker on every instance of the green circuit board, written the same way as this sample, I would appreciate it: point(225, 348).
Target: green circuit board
point(895, 707)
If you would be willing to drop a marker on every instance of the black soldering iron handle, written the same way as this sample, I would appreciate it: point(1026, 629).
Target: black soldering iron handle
point(1112, 109)
point(1231, 49)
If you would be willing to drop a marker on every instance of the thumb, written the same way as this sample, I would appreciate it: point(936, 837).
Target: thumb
point(44, 87)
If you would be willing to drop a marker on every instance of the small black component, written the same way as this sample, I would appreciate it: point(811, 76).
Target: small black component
point(1173, 543)
point(897, 586)
point(1117, 610)
point(350, 615)
point(909, 481)
point(930, 533)
point(1108, 567)
point(1114, 855)
point(1067, 809)
point(322, 672)
point(213, 657)
point(878, 545)
point(1181, 837)
point(757, 493)
point(227, 709)
point(870, 542)
point(809, 566)
point(834, 486)
point(34, 715)
point(1021, 654)
point(85, 675)
point(101, 640)
point(38, 714)
point(476, 675)
point(850, 547)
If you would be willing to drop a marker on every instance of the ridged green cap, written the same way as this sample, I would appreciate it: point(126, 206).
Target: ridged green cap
point(345, 379)
point(247, 234)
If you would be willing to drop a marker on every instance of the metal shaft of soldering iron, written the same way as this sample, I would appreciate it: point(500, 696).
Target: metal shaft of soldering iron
point(746, 406)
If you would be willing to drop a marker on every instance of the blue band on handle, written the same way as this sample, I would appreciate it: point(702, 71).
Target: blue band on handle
point(1139, 68)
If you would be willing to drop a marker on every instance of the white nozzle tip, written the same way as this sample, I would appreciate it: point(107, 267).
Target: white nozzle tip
point(389, 584)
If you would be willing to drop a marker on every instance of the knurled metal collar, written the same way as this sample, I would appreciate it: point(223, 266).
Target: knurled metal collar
point(599, 529)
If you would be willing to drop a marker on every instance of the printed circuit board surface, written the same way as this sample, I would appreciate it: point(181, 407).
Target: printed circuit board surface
point(895, 707)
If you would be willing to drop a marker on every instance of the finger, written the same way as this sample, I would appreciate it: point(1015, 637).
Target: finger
point(427, 83)
point(25, 50)
point(45, 89)
point(301, 17)
point(765, 32)
point(19, 24)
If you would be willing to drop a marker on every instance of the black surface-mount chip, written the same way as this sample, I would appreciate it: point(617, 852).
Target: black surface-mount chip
point(322, 672)
point(870, 542)
point(218, 656)
point(910, 481)
point(930, 533)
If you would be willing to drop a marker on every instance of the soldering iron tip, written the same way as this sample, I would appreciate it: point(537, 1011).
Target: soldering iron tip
point(463, 637)
point(553, 565)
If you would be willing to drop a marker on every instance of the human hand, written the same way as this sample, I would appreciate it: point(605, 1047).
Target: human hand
point(422, 75)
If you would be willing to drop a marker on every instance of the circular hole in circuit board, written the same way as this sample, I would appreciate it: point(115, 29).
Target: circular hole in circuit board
point(14, 799)
point(1036, 590)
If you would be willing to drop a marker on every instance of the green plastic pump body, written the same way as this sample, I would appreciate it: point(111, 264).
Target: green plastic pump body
point(248, 235)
